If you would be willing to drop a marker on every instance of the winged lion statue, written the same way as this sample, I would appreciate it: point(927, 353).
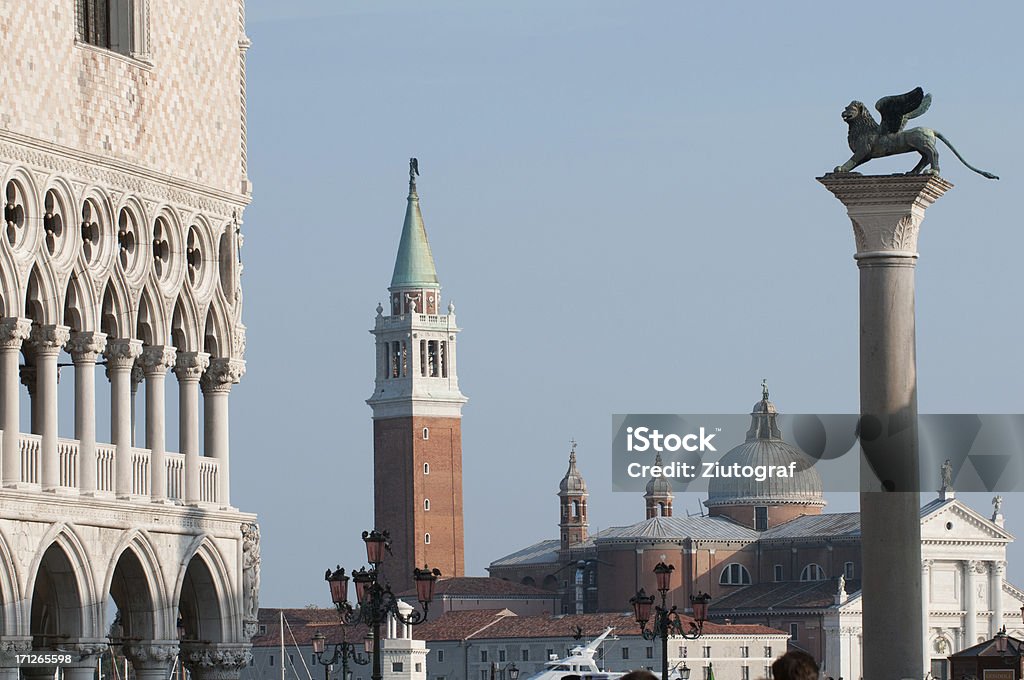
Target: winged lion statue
point(869, 139)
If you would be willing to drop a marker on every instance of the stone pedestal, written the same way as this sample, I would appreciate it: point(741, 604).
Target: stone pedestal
point(887, 213)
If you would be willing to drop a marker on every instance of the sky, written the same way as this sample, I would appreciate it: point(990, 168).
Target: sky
point(620, 199)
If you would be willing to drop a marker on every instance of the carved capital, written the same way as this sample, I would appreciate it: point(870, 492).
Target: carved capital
point(86, 346)
point(121, 354)
point(48, 340)
point(218, 661)
point(221, 375)
point(9, 646)
point(997, 567)
point(926, 565)
point(13, 332)
point(87, 649)
point(886, 211)
point(27, 373)
point(189, 366)
point(151, 654)
point(156, 359)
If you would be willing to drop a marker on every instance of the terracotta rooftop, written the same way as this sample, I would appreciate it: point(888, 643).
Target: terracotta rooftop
point(302, 624)
point(484, 586)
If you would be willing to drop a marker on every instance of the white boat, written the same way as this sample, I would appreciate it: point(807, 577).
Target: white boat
point(579, 665)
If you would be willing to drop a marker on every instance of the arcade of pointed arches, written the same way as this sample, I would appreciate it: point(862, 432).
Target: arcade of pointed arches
point(141, 286)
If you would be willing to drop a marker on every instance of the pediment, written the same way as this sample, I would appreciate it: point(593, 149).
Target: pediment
point(954, 521)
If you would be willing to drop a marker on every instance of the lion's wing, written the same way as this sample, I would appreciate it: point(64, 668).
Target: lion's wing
point(897, 109)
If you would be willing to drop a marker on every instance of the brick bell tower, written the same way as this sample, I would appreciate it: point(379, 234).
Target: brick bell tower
point(417, 414)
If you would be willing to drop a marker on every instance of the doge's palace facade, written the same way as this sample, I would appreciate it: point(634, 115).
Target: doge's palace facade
point(123, 172)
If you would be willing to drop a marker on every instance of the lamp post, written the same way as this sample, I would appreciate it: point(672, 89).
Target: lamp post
point(666, 621)
point(513, 672)
point(374, 600)
point(343, 651)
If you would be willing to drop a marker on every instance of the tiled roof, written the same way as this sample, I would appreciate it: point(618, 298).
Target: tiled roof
point(781, 596)
point(832, 525)
point(538, 553)
point(501, 624)
point(302, 624)
point(677, 528)
point(484, 586)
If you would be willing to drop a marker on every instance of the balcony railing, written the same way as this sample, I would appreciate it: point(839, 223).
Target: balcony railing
point(69, 464)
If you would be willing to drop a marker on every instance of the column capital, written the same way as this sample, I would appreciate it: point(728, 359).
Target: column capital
point(997, 566)
point(122, 353)
point(926, 565)
point(156, 359)
point(886, 210)
point(151, 653)
point(27, 374)
point(86, 346)
point(14, 331)
point(216, 661)
point(221, 375)
point(49, 339)
point(189, 366)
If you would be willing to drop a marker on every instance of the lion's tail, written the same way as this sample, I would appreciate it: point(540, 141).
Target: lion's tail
point(952, 148)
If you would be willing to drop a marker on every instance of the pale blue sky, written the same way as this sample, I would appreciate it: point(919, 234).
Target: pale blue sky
point(620, 198)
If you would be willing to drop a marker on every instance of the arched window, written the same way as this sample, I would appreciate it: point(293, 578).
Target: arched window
point(812, 572)
point(426, 433)
point(426, 504)
point(426, 468)
point(735, 575)
point(426, 539)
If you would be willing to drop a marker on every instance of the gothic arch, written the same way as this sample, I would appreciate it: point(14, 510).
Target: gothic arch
point(10, 594)
point(79, 304)
point(19, 184)
point(96, 226)
point(60, 588)
point(8, 285)
point(150, 326)
point(216, 331)
point(166, 235)
point(115, 315)
point(41, 299)
point(133, 241)
point(184, 328)
point(135, 582)
point(203, 594)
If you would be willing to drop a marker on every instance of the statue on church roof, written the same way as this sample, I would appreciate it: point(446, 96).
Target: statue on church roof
point(997, 504)
point(947, 476)
point(869, 139)
point(414, 171)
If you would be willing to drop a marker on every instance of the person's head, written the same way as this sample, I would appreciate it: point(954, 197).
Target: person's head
point(795, 665)
point(640, 674)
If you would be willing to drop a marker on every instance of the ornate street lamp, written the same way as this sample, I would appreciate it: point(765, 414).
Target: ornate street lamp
point(666, 621)
point(513, 672)
point(374, 600)
point(343, 651)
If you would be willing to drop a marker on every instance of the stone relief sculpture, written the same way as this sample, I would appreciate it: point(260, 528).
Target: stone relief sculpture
point(251, 572)
point(868, 139)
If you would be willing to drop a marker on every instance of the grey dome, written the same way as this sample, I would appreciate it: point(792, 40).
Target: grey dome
point(658, 487)
point(765, 446)
point(573, 482)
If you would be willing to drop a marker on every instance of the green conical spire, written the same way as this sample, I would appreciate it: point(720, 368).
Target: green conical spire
point(414, 266)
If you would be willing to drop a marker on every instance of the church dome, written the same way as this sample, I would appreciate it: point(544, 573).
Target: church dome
point(658, 487)
point(573, 482)
point(764, 445)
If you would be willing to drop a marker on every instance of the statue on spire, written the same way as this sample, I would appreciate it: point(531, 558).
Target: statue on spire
point(764, 389)
point(414, 171)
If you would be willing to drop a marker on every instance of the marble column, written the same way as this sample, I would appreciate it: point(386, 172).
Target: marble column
point(47, 342)
point(85, 348)
point(9, 646)
point(152, 660)
point(121, 355)
point(996, 570)
point(216, 384)
point(87, 653)
point(189, 368)
point(13, 332)
point(926, 583)
point(886, 212)
point(155, 361)
point(218, 661)
point(970, 604)
point(137, 377)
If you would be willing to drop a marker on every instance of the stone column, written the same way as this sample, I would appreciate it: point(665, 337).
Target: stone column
point(216, 384)
point(996, 570)
point(137, 376)
point(85, 348)
point(155, 361)
point(13, 331)
point(926, 583)
point(121, 355)
point(87, 653)
point(9, 646)
point(218, 661)
point(970, 604)
point(886, 213)
point(152, 660)
point(189, 367)
point(47, 342)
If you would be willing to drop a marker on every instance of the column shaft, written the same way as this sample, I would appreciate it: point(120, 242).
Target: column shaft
point(13, 331)
point(85, 349)
point(47, 342)
point(216, 384)
point(970, 605)
point(189, 367)
point(155, 361)
point(996, 594)
point(121, 355)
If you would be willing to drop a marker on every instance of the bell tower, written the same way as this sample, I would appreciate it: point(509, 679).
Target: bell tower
point(572, 505)
point(417, 414)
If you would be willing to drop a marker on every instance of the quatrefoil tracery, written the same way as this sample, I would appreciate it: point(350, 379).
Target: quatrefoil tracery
point(14, 213)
